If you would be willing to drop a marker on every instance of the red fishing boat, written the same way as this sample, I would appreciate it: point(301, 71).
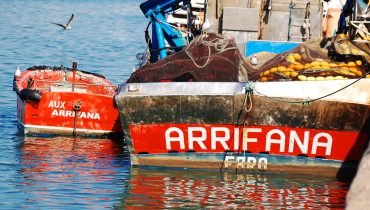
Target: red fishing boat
point(65, 101)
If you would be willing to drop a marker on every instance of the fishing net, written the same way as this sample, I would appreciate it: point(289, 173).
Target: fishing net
point(317, 59)
point(209, 57)
point(216, 58)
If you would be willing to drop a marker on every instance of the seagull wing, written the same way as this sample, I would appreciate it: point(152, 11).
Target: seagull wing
point(61, 25)
point(70, 20)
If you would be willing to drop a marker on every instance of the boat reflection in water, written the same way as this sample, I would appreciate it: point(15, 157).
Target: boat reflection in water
point(178, 189)
point(95, 173)
point(73, 172)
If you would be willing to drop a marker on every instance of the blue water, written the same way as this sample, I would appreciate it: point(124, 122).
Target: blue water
point(68, 173)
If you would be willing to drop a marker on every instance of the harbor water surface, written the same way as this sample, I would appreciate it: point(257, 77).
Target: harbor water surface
point(80, 173)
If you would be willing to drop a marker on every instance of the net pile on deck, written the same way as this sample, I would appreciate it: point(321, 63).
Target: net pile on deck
point(311, 61)
point(209, 57)
point(216, 58)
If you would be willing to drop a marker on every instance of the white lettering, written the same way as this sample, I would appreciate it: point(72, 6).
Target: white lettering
point(262, 164)
point(327, 144)
point(90, 115)
point(62, 113)
point(240, 162)
point(83, 115)
point(270, 140)
point(57, 104)
point(69, 113)
point(236, 139)
point(245, 136)
point(251, 162)
point(295, 138)
point(62, 104)
point(55, 112)
point(227, 159)
point(199, 140)
point(248, 163)
point(51, 104)
point(277, 140)
point(221, 139)
point(97, 116)
point(178, 138)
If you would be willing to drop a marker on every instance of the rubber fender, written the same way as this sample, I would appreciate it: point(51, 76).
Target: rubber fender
point(28, 94)
point(15, 88)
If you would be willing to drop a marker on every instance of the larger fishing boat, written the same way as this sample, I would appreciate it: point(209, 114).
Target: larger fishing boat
point(205, 106)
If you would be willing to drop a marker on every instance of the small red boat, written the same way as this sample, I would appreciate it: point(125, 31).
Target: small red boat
point(65, 101)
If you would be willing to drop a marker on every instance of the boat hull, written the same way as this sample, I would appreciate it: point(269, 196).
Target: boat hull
point(54, 114)
point(209, 125)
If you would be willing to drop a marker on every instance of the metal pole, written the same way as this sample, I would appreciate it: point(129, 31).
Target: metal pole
point(74, 67)
point(290, 18)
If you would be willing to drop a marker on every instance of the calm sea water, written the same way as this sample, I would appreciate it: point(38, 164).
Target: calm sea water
point(68, 173)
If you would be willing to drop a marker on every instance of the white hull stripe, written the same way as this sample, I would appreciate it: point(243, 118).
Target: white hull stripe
point(356, 93)
point(64, 129)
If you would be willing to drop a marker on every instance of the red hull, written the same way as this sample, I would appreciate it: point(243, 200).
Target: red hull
point(274, 140)
point(80, 106)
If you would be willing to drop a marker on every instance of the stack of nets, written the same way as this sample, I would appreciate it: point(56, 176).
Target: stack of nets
point(311, 61)
point(216, 58)
point(209, 57)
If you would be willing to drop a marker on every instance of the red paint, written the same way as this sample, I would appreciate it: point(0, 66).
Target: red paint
point(98, 111)
point(345, 145)
point(48, 155)
point(231, 191)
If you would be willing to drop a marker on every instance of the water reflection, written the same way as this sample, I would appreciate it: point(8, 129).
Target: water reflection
point(62, 172)
point(76, 172)
point(179, 189)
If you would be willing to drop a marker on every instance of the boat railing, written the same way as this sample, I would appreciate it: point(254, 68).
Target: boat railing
point(51, 85)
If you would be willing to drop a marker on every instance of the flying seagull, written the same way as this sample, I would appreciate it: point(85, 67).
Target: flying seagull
point(68, 25)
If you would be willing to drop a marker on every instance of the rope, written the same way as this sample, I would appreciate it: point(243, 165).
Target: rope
point(195, 63)
point(248, 97)
point(219, 44)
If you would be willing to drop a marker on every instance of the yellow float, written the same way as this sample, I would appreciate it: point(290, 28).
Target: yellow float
point(302, 77)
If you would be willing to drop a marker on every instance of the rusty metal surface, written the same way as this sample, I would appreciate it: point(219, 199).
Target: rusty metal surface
point(317, 115)
point(230, 110)
point(177, 109)
point(200, 103)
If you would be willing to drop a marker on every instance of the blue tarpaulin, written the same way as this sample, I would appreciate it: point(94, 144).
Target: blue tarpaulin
point(252, 47)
